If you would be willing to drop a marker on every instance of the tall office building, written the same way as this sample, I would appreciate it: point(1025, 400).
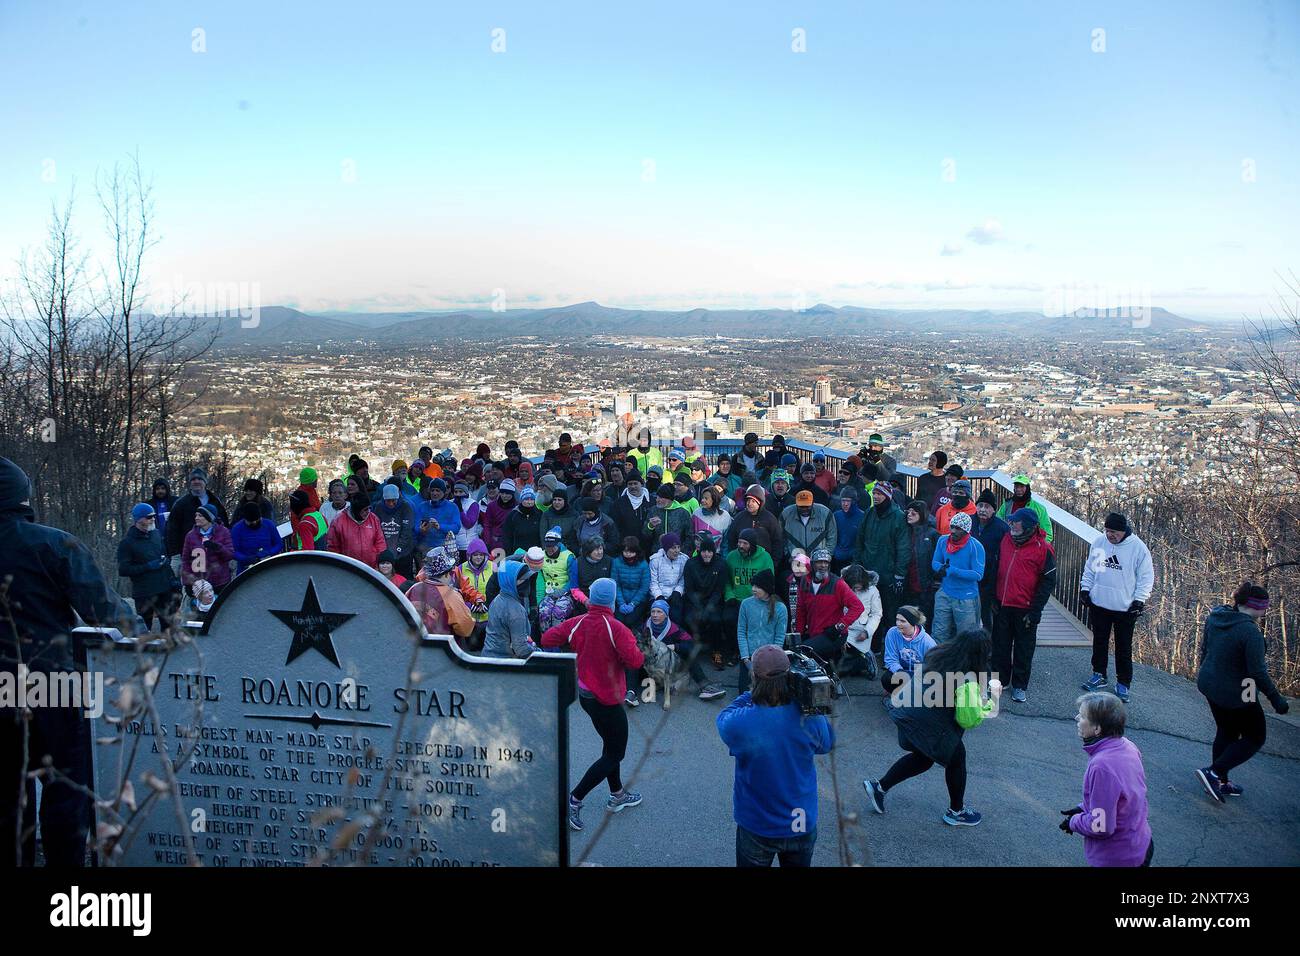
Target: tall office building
point(821, 391)
point(734, 400)
point(624, 402)
point(777, 397)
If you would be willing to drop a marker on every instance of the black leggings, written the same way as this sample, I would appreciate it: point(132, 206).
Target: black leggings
point(611, 724)
point(1240, 734)
point(913, 764)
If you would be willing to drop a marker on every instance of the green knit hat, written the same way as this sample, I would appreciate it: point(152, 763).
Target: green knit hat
point(307, 476)
point(1021, 479)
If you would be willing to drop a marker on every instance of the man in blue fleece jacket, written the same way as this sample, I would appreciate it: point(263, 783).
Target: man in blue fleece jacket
point(254, 537)
point(775, 796)
point(958, 562)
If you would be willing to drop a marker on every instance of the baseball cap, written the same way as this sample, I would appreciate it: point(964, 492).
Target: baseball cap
point(769, 661)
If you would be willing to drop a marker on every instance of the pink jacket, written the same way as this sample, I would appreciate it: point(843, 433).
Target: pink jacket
point(363, 541)
point(605, 648)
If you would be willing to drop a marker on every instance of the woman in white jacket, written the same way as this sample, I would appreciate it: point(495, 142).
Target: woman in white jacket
point(668, 575)
point(858, 658)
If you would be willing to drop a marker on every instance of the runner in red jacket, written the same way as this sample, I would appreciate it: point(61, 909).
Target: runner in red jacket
point(605, 648)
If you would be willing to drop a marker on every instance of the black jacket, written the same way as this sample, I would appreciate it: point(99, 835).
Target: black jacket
point(923, 539)
point(141, 558)
point(1232, 660)
point(56, 579)
point(705, 586)
point(928, 485)
point(629, 520)
point(181, 520)
point(778, 503)
point(524, 529)
point(589, 572)
point(990, 536)
point(765, 524)
point(929, 730)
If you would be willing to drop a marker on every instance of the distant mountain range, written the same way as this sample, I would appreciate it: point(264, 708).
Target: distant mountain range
point(279, 326)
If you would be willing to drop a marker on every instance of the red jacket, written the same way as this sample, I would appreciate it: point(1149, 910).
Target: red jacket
point(1026, 573)
point(835, 603)
point(313, 498)
point(605, 648)
point(362, 541)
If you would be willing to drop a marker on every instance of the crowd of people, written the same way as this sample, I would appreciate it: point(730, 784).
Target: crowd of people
point(657, 566)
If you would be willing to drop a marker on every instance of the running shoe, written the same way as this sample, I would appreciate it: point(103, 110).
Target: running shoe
point(875, 795)
point(1213, 785)
point(628, 798)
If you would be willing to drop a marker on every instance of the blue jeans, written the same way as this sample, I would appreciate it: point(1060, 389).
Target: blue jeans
point(952, 616)
point(754, 850)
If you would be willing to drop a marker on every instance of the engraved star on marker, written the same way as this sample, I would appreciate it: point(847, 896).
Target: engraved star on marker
point(311, 627)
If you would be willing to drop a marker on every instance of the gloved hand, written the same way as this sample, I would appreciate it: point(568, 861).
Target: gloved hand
point(479, 607)
point(941, 573)
point(160, 562)
point(625, 609)
point(898, 584)
point(1085, 599)
point(578, 595)
point(1280, 705)
point(1066, 816)
point(1136, 608)
point(1032, 618)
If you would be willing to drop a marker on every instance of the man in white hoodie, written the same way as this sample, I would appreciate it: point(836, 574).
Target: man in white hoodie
point(1115, 586)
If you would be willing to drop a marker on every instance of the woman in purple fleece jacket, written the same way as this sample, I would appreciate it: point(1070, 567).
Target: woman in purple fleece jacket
point(1113, 816)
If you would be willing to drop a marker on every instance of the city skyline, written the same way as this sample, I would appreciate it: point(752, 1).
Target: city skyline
point(675, 161)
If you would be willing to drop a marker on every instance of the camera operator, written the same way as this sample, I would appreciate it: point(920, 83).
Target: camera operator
point(775, 796)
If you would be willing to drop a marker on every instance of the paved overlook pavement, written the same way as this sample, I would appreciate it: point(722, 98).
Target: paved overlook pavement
point(1025, 765)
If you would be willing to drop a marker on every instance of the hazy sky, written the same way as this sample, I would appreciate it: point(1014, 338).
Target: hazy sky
point(383, 155)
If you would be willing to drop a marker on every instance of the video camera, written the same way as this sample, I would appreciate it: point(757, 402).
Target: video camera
point(810, 682)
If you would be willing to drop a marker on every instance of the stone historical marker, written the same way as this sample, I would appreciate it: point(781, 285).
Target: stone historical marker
point(311, 699)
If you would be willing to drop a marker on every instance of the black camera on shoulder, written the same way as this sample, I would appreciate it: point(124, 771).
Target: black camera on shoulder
point(810, 682)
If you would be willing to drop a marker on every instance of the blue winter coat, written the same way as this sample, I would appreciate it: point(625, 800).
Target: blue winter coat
point(633, 581)
point(847, 525)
